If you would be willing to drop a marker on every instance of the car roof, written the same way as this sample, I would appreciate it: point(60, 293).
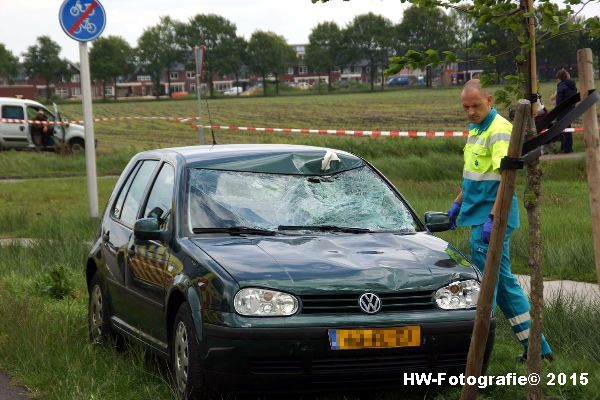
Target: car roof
point(22, 101)
point(268, 158)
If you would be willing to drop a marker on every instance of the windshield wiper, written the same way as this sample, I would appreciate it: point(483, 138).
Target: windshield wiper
point(236, 230)
point(322, 228)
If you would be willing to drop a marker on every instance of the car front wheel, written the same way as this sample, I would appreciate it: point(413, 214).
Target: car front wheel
point(186, 364)
point(76, 145)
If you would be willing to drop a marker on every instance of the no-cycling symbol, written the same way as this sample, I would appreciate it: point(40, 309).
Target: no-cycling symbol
point(82, 20)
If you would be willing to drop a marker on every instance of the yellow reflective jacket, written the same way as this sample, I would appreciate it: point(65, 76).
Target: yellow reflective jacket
point(486, 145)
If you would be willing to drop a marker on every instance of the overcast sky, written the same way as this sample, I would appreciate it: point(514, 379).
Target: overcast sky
point(23, 21)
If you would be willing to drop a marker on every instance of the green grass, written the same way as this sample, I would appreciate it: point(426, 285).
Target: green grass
point(44, 342)
point(44, 345)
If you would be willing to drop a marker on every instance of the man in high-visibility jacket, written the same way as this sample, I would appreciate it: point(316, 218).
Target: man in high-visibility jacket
point(475, 205)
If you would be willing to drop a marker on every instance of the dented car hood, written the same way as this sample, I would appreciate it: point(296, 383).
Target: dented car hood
point(340, 261)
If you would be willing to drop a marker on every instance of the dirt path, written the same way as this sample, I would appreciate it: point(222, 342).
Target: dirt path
point(8, 391)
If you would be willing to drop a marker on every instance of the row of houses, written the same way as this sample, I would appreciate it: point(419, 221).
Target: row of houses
point(181, 80)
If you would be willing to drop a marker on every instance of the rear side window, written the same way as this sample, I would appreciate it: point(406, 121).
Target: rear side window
point(116, 211)
point(14, 112)
point(135, 193)
point(160, 199)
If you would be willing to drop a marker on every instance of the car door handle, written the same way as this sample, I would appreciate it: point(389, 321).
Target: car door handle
point(105, 236)
point(22, 128)
point(131, 251)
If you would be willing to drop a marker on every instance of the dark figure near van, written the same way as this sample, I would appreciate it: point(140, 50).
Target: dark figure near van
point(39, 131)
point(565, 89)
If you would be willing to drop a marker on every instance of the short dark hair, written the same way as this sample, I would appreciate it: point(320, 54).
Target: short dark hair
point(562, 74)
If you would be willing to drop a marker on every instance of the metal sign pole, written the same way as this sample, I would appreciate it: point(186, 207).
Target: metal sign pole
point(199, 56)
point(85, 22)
point(88, 122)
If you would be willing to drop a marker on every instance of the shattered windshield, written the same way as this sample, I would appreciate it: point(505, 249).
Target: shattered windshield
point(355, 198)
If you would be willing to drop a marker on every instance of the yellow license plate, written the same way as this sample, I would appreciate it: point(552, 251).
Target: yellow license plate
point(378, 338)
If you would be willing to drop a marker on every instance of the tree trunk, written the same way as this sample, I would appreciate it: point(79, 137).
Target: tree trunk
point(47, 91)
point(169, 82)
point(237, 83)
point(329, 81)
point(104, 90)
point(277, 84)
point(428, 76)
point(532, 199)
point(264, 83)
point(498, 71)
point(115, 92)
point(382, 78)
point(372, 75)
point(157, 85)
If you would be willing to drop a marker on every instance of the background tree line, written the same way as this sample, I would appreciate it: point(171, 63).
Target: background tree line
point(369, 39)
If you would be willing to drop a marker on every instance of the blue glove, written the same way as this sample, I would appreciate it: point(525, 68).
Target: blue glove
point(486, 231)
point(453, 214)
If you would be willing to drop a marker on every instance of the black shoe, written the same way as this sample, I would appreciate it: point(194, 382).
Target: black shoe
point(523, 357)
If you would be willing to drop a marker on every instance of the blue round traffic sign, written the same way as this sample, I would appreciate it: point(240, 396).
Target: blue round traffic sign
point(82, 20)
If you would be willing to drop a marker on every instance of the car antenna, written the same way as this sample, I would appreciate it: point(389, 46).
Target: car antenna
point(210, 122)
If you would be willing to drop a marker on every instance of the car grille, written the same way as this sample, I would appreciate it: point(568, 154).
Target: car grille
point(358, 364)
point(348, 303)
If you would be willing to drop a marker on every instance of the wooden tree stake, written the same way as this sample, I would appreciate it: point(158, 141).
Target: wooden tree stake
point(592, 147)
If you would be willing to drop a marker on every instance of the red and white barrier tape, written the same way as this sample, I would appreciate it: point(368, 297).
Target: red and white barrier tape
point(373, 133)
point(356, 132)
point(79, 121)
point(341, 131)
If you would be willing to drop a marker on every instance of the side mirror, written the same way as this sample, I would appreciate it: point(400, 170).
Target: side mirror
point(437, 221)
point(149, 229)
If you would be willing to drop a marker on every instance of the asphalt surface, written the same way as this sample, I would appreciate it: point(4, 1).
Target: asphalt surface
point(9, 391)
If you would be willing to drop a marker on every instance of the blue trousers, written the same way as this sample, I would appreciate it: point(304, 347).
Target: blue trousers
point(511, 299)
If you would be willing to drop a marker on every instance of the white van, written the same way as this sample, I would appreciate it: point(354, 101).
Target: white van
point(18, 135)
point(233, 91)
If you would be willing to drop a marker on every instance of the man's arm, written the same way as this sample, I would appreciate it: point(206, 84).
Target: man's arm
point(459, 198)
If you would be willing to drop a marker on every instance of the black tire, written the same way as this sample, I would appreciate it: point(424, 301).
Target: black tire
point(76, 145)
point(98, 313)
point(189, 376)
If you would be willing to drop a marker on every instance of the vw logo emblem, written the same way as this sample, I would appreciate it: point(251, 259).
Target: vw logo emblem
point(369, 303)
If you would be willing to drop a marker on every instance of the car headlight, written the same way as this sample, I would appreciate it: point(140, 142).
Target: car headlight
point(458, 295)
point(256, 302)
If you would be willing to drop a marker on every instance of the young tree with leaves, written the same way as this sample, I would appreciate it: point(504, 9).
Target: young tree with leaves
point(9, 64)
point(110, 57)
point(218, 36)
point(43, 60)
point(269, 53)
point(149, 56)
point(235, 57)
point(324, 49)
point(428, 29)
point(368, 37)
point(158, 50)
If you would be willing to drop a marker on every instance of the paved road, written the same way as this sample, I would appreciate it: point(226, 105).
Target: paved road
point(11, 392)
point(579, 291)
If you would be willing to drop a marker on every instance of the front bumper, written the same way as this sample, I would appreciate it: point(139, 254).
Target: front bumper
point(283, 359)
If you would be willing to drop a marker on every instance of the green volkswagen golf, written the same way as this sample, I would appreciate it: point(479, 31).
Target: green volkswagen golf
point(277, 267)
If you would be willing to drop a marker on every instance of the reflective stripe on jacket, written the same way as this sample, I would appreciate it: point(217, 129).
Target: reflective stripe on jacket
point(486, 145)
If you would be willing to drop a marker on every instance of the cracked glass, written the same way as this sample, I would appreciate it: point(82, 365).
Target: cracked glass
point(355, 198)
